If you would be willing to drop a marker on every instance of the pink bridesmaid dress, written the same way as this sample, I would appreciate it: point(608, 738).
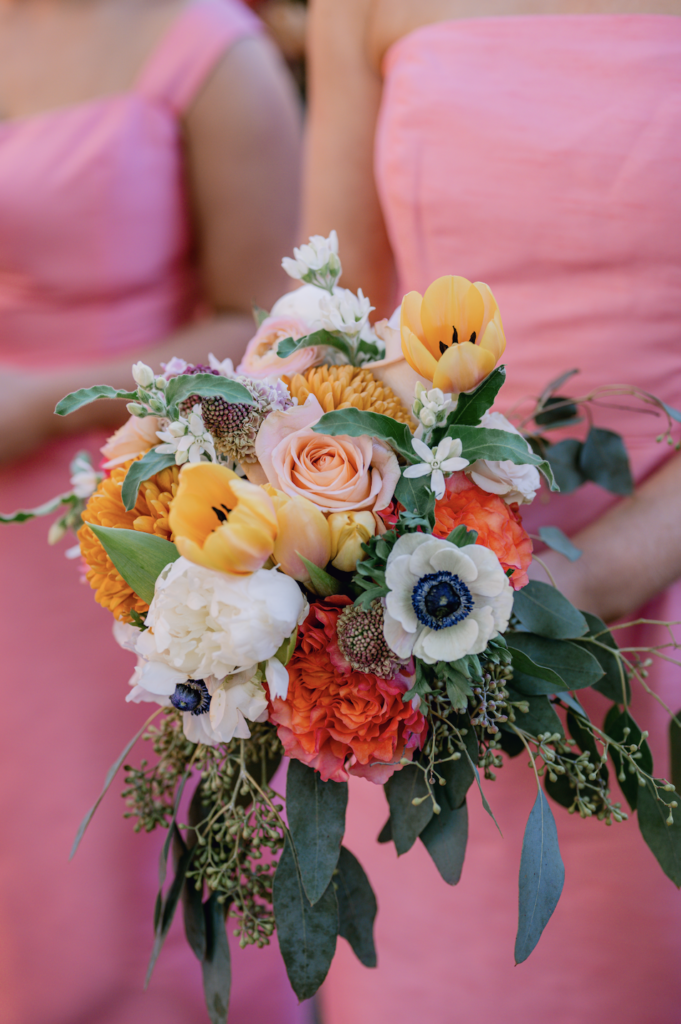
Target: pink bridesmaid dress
point(94, 262)
point(541, 155)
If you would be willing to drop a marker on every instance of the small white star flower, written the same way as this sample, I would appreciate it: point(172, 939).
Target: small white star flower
point(84, 477)
point(345, 312)
point(446, 458)
point(187, 439)
point(431, 407)
point(316, 262)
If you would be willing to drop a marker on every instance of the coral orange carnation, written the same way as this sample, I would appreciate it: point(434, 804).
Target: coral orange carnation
point(499, 525)
point(341, 721)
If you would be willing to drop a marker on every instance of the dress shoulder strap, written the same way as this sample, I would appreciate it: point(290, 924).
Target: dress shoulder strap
point(191, 47)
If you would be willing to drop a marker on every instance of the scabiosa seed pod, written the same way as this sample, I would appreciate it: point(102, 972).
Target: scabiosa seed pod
point(361, 642)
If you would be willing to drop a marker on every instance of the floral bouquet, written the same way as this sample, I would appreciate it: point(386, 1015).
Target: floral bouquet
point(308, 566)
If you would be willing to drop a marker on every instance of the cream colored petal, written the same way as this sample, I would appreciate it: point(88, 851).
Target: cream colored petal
point(410, 314)
point(448, 644)
point(494, 339)
point(397, 638)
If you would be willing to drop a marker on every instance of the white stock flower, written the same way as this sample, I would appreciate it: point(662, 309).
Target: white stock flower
point(446, 458)
point(143, 375)
point(205, 623)
point(513, 483)
point(345, 312)
point(84, 477)
point(187, 439)
point(316, 262)
point(444, 602)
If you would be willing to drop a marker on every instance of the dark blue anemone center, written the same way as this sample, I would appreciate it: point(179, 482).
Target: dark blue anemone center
point(441, 599)
point(192, 696)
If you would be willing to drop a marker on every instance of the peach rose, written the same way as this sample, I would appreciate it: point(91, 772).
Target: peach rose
point(134, 438)
point(336, 473)
point(261, 359)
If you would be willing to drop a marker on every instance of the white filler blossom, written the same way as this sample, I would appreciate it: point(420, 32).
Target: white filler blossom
point(187, 439)
point(443, 602)
point(316, 263)
point(446, 458)
point(84, 477)
point(513, 483)
point(345, 312)
point(430, 407)
point(142, 374)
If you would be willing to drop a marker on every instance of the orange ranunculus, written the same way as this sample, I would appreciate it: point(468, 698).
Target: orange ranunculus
point(338, 720)
point(453, 335)
point(221, 521)
point(302, 530)
point(499, 525)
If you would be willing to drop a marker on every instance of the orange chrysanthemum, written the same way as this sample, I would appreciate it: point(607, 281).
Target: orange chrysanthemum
point(105, 508)
point(337, 720)
point(499, 525)
point(345, 387)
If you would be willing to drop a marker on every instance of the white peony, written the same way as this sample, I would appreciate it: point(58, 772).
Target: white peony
point(444, 602)
point(206, 623)
point(511, 482)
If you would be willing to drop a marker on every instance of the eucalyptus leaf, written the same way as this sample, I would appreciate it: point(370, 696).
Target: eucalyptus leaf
point(22, 515)
point(555, 384)
point(551, 417)
point(307, 934)
point(542, 875)
point(164, 918)
point(673, 413)
point(194, 919)
point(357, 423)
point(316, 818)
point(663, 839)
point(614, 684)
point(406, 821)
point(207, 385)
point(562, 661)
point(485, 803)
point(541, 717)
point(604, 460)
point(151, 463)
point(138, 557)
point(84, 396)
point(554, 538)
point(386, 833)
point(357, 907)
point(543, 610)
point(616, 722)
point(564, 461)
point(445, 838)
point(459, 775)
point(320, 582)
point(675, 752)
point(217, 964)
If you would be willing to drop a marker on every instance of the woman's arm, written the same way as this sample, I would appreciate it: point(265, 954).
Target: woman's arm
point(242, 144)
point(630, 554)
point(345, 94)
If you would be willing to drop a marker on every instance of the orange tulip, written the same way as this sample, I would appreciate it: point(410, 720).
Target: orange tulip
point(453, 334)
point(303, 530)
point(221, 521)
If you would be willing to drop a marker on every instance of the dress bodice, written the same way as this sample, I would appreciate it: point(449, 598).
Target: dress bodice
point(95, 239)
point(542, 156)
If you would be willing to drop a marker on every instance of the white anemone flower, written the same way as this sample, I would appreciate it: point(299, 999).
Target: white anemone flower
point(444, 602)
point(345, 312)
point(512, 483)
point(187, 439)
point(446, 458)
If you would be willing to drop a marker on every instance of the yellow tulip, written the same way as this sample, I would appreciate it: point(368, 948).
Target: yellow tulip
point(221, 521)
point(453, 334)
point(302, 530)
point(349, 530)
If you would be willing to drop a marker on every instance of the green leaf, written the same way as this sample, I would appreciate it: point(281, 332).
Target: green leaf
point(614, 683)
point(217, 966)
point(24, 514)
point(320, 582)
point(406, 821)
point(357, 907)
point(675, 752)
point(138, 557)
point(564, 461)
point(462, 536)
point(563, 791)
point(459, 689)
point(445, 838)
point(416, 496)
point(663, 839)
point(604, 460)
point(153, 462)
point(459, 775)
point(357, 423)
point(673, 413)
point(555, 664)
point(499, 446)
point(540, 718)
point(111, 774)
point(259, 314)
point(551, 418)
point(542, 875)
point(386, 833)
point(77, 399)
point(316, 818)
point(307, 934)
point(166, 908)
point(207, 385)
point(470, 407)
point(554, 538)
point(545, 611)
point(287, 346)
point(616, 722)
point(485, 804)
